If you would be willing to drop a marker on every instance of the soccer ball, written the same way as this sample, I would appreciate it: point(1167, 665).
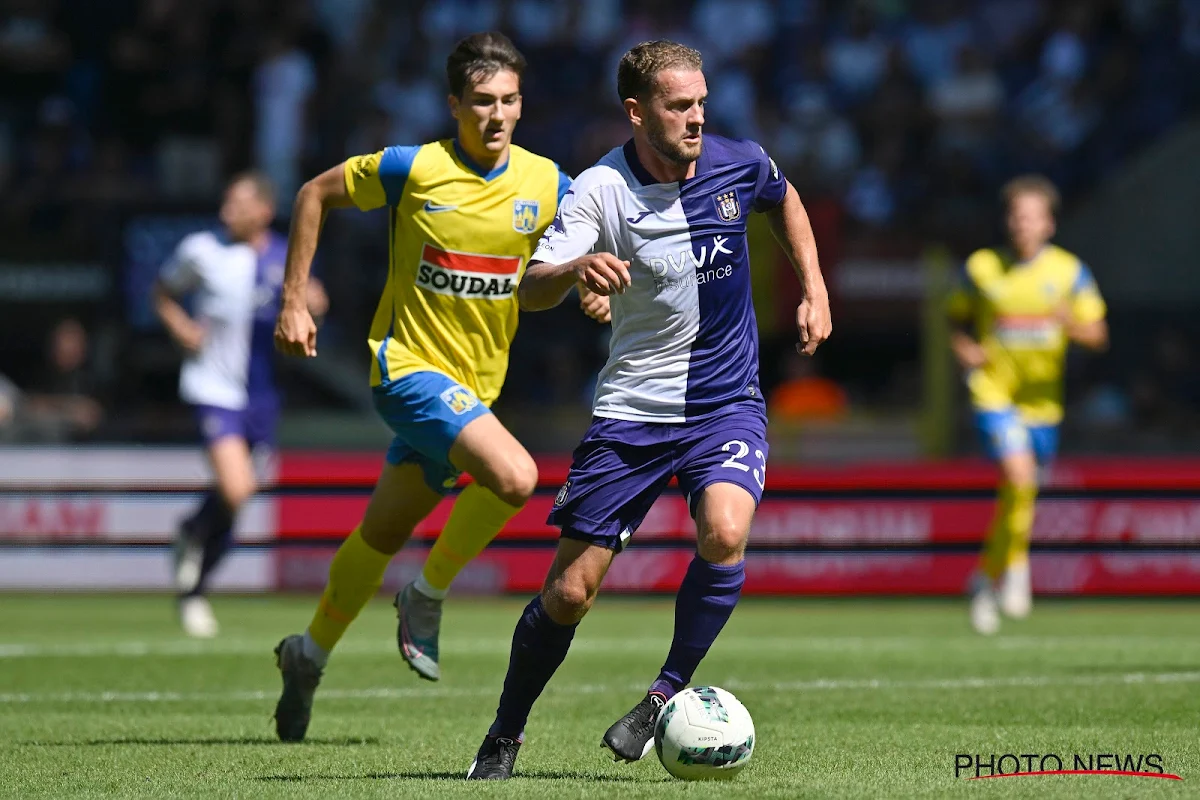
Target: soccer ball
point(704, 733)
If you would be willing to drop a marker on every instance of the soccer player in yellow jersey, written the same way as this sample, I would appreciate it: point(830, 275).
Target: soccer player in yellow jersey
point(465, 215)
point(1017, 309)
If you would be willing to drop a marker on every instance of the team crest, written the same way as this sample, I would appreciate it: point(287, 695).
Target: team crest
point(562, 494)
point(459, 399)
point(728, 208)
point(525, 214)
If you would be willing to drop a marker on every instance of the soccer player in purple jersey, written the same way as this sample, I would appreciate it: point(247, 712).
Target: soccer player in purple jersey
point(659, 226)
point(234, 276)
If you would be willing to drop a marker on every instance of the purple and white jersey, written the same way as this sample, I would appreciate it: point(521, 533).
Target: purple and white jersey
point(236, 293)
point(684, 338)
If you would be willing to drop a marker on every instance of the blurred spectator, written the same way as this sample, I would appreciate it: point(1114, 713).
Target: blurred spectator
point(901, 117)
point(10, 398)
point(34, 54)
point(283, 85)
point(732, 28)
point(63, 403)
point(967, 104)
point(858, 58)
point(940, 30)
point(803, 394)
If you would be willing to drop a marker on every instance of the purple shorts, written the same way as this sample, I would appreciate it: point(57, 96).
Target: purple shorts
point(255, 423)
point(620, 468)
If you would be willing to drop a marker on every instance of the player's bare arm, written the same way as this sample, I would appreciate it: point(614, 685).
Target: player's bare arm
point(546, 285)
point(183, 330)
point(792, 229)
point(1092, 334)
point(295, 330)
point(967, 350)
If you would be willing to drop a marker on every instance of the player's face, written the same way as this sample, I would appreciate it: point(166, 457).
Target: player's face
point(673, 117)
point(487, 113)
point(244, 212)
point(1030, 221)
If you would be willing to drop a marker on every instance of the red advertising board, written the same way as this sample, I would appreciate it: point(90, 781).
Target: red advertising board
point(840, 573)
point(1105, 526)
point(829, 523)
point(889, 529)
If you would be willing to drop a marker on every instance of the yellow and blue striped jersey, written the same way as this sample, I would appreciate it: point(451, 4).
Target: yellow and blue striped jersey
point(1015, 307)
point(461, 237)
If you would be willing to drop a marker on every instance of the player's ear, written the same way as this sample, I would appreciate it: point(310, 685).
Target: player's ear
point(454, 104)
point(633, 110)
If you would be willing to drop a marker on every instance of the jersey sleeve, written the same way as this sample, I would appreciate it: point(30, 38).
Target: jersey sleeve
point(1086, 303)
point(960, 304)
point(378, 179)
point(574, 231)
point(181, 272)
point(771, 186)
point(564, 183)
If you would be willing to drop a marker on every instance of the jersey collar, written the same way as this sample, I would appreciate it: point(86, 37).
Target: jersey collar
point(635, 165)
point(643, 175)
point(470, 164)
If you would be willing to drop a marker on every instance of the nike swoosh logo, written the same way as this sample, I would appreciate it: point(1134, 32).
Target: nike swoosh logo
point(430, 208)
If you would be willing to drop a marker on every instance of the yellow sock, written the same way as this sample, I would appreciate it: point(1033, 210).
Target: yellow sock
point(1008, 540)
point(477, 516)
point(354, 578)
point(1020, 525)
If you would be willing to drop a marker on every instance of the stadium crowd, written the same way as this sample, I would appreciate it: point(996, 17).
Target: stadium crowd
point(894, 118)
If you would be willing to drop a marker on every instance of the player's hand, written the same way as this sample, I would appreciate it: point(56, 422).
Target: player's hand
point(969, 353)
point(594, 305)
point(813, 323)
point(603, 273)
point(295, 332)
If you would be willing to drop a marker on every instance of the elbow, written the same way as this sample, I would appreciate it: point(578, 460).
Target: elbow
point(309, 195)
point(526, 299)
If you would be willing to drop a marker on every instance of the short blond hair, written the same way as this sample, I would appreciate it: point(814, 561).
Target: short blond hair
point(641, 65)
point(1031, 184)
point(263, 186)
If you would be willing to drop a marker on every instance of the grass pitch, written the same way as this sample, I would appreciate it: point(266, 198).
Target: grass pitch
point(101, 696)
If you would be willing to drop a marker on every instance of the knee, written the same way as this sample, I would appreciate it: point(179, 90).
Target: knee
point(723, 542)
point(384, 538)
point(235, 494)
point(567, 601)
point(516, 483)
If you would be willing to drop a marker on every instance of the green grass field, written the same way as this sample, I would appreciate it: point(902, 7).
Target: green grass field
point(102, 696)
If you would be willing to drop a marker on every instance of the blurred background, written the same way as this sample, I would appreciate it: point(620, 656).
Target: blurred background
point(897, 120)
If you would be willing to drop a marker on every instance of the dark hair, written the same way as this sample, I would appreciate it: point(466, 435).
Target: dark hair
point(479, 57)
point(1031, 184)
point(641, 65)
point(264, 187)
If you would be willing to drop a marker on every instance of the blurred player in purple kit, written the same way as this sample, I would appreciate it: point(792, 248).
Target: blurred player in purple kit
point(234, 276)
point(659, 225)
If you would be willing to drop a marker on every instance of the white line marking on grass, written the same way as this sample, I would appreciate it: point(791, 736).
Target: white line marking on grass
point(818, 685)
point(605, 645)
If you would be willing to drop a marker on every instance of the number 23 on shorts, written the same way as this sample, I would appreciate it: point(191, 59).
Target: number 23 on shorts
point(740, 450)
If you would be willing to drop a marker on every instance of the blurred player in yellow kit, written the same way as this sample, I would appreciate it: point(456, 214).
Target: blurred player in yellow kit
point(1016, 309)
point(465, 216)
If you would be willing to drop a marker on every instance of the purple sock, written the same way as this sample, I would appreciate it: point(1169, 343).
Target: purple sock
point(702, 607)
point(216, 547)
point(539, 645)
point(211, 527)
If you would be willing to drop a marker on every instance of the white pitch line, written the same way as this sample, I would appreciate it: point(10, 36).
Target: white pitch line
point(818, 685)
point(500, 646)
